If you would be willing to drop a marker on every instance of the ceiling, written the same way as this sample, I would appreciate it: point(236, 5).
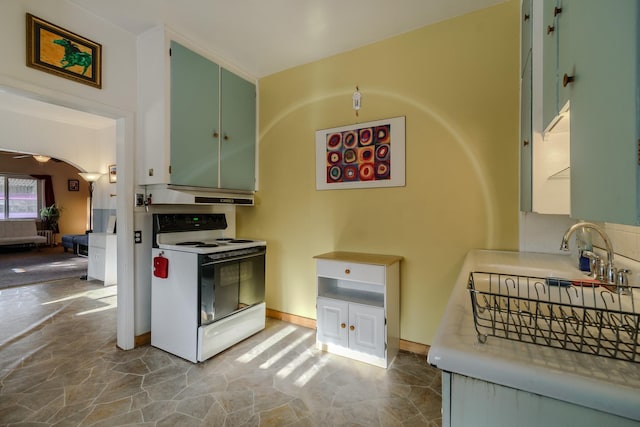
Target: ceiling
point(262, 37)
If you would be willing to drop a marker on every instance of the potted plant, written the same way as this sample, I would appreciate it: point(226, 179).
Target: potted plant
point(50, 216)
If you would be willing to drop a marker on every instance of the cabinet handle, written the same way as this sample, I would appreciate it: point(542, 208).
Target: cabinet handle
point(352, 328)
point(347, 271)
point(215, 134)
point(525, 143)
point(226, 137)
point(343, 325)
point(566, 79)
point(550, 29)
point(557, 11)
point(526, 17)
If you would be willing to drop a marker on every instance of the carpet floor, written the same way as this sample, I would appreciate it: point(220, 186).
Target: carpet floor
point(22, 267)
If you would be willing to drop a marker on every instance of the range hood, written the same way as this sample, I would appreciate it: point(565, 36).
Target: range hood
point(169, 194)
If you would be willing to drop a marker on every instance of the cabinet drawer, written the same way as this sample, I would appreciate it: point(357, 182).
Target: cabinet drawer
point(97, 240)
point(351, 271)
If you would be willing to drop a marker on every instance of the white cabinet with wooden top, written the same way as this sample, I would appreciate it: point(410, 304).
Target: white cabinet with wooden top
point(103, 258)
point(358, 301)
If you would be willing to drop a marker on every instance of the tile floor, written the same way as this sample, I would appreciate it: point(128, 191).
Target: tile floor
point(59, 366)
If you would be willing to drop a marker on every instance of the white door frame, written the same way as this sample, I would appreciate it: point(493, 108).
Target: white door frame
point(125, 152)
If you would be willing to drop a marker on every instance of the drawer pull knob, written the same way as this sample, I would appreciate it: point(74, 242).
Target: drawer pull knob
point(352, 328)
point(347, 271)
point(566, 79)
point(343, 325)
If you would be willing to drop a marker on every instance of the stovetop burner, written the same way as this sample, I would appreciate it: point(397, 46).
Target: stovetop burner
point(206, 245)
point(240, 241)
point(189, 243)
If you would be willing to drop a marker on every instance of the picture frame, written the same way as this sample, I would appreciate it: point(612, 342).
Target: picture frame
point(73, 185)
point(363, 155)
point(58, 51)
point(113, 176)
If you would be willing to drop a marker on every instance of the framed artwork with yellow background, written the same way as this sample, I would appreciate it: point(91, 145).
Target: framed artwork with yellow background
point(53, 49)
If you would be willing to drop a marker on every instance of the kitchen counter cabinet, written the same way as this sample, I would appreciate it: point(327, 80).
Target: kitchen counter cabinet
point(560, 382)
point(358, 301)
point(483, 404)
point(103, 257)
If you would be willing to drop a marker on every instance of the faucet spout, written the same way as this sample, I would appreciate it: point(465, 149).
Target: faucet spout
point(564, 245)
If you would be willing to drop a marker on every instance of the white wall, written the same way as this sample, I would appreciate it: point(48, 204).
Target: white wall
point(118, 52)
point(87, 149)
point(116, 99)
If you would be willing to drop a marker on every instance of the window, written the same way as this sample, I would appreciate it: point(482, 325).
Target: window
point(20, 197)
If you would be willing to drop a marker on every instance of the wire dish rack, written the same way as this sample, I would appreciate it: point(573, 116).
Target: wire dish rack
point(572, 315)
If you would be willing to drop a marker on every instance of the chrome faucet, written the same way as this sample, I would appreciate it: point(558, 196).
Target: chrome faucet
point(607, 274)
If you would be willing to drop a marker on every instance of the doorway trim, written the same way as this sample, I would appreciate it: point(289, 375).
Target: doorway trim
point(125, 152)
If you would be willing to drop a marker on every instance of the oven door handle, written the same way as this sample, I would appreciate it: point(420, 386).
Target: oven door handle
point(238, 258)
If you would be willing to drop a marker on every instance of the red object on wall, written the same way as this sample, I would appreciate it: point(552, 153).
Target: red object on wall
point(161, 267)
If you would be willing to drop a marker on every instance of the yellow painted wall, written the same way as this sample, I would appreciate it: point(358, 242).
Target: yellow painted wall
point(457, 84)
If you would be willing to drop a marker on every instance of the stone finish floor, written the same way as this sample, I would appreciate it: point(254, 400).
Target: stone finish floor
point(59, 365)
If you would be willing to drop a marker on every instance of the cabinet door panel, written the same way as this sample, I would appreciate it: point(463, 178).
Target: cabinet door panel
point(549, 64)
point(238, 122)
point(194, 118)
point(332, 314)
point(604, 122)
point(566, 43)
point(368, 332)
point(526, 145)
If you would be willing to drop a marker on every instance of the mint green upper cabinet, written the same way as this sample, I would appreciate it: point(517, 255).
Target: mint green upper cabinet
point(187, 103)
point(549, 63)
point(605, 111)
point(194, 118)
point(556, 51)
point(566, 42)
point(238, 124)
point(526, 53)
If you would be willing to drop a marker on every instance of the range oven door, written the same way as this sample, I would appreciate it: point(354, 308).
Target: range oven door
point(230, 281)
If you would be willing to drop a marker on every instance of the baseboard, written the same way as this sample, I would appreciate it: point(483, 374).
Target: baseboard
point(291, 318)
point(410, 346)
point(140, 340)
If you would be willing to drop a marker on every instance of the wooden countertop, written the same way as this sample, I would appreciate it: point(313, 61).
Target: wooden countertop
point(359, 257)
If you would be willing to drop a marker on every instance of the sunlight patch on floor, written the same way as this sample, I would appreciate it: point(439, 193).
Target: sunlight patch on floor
point(279, 355)
point(109, 301)
point(307, 375)
point(264, 345)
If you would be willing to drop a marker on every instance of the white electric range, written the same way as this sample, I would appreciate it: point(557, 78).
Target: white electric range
point(207, 289)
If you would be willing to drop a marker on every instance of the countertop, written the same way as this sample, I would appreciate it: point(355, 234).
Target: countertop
point(362, 258)
point(596, 382)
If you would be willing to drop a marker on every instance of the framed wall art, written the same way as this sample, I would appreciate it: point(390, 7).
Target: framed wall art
point(113, 176)
point(53, 49)
point(364, 155)
point(73, 185)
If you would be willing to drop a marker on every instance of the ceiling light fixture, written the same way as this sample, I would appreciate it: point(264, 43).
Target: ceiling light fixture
point(41, 159)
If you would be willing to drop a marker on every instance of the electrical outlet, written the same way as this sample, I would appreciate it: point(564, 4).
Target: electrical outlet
point(137, 236)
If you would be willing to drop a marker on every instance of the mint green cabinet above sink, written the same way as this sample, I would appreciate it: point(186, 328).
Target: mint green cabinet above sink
point(591, 63)
point(605, 112)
